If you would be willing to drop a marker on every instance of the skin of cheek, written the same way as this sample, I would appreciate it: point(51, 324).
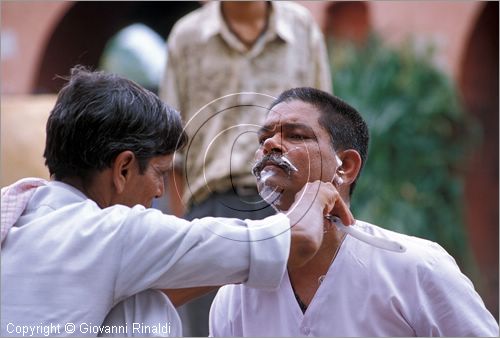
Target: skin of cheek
point(314, 167)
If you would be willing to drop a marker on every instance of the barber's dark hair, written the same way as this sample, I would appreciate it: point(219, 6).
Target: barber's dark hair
point(98, 115)
point(345, 125)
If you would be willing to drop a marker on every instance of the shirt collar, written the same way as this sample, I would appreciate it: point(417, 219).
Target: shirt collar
point(213, 25)
point(281, 23)
point(68, 188)
point(277, 22)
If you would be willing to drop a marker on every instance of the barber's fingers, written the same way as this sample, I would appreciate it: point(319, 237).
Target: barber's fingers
point(330, 200)
point(341, 210)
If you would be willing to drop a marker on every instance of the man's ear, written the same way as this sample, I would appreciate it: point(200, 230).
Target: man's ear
point(122, 168)
point(351, 164)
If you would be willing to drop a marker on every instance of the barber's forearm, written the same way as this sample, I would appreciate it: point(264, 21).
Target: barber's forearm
point(180, 297)
point(304, 242)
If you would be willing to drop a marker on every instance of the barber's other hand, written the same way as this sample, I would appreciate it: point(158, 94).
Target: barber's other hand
point(312, 203)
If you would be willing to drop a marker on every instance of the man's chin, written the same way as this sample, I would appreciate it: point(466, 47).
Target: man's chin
point(279, 198)
point(276, 182)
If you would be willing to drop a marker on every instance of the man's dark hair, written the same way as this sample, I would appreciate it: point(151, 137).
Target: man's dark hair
point(345, 125)
point(99, 115)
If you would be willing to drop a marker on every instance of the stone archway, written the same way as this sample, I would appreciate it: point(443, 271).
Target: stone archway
point(82, 33)
point(479, 87)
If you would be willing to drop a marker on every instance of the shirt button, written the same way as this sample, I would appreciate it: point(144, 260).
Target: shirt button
point(306, 330)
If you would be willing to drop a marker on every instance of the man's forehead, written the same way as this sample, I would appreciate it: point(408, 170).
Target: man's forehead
point(295, 112)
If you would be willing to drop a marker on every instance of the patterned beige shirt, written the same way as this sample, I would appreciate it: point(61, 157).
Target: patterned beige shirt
point(222, 88)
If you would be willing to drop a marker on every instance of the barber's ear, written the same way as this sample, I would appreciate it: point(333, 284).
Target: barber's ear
point(351, 164)
point(122, 168)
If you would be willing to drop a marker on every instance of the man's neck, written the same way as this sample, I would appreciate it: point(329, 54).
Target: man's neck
point(306, 279)
point(332, 240)
point(246, 19)
point(244, 11)
point(96, 188)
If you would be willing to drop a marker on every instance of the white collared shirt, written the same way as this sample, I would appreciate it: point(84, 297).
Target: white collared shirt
point(367, 292)
point(69, 262)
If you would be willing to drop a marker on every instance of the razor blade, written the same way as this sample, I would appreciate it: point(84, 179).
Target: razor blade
point(379, 242)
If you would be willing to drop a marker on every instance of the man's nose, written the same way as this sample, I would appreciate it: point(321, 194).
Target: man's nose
point(273, 144)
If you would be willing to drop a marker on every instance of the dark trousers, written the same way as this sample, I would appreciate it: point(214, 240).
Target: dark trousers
point(242, 204)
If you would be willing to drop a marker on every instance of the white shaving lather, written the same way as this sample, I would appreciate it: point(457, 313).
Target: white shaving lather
point(336, 178)
point(290, 164)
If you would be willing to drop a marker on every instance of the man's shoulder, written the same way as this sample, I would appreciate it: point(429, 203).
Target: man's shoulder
point(191, 25)
point(392, 234)
point(421, 253)
point(293, 8)
point(294, 12)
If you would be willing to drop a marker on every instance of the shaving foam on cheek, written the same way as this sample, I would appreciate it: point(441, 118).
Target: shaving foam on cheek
point(270, 195)
point(339, 161)
point(336, 178)
point(289, 163)
point(287, 160)
point(264, 175)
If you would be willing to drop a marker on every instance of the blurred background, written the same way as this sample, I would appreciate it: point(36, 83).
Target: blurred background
point(423, 74)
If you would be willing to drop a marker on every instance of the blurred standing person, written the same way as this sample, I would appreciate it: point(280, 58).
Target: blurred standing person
point(219, 57)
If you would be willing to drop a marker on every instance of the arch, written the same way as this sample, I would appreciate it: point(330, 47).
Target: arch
point(478, 82)
point(348, 20)
point(82, 33)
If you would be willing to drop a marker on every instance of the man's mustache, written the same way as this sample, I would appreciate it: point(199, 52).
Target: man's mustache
point(274, 159)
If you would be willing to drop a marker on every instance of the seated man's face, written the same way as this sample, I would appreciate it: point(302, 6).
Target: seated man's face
point(294, 149)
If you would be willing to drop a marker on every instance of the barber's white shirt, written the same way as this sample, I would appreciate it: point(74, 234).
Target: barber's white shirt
point(67, 264)
point(367, 292)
